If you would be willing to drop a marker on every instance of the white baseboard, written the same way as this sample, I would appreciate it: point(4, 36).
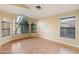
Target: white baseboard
point(5, 39)
point(4, 42)
point(77, 46)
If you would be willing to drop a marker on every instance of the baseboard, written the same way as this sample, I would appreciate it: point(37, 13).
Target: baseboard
point(43, 38)
point(73, 45)
point(5, 42)
point(20, 38)
point(15, 40)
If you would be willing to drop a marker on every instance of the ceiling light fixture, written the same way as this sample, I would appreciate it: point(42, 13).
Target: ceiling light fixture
point(38, 7)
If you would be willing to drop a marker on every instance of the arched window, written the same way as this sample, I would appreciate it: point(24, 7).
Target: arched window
point(33, 28)
point(20, 25)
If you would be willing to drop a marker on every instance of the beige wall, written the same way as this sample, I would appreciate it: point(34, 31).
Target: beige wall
point(49, 28)
point(12, 36)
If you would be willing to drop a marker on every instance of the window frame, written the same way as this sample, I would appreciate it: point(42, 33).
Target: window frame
point(62, 18)
point(8, 29)
point(33, 28)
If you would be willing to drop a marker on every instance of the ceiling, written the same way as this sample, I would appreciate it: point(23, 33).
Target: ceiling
point(19, 5)
point(31, 11)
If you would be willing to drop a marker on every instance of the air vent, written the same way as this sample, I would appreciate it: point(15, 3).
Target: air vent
point(38, 7)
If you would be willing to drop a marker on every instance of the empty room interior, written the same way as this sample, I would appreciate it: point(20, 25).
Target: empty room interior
point(39, 28)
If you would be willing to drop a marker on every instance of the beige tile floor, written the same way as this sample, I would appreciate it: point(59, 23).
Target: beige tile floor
point(36, 46)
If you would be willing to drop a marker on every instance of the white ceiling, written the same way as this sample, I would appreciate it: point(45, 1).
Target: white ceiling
point(47, 9)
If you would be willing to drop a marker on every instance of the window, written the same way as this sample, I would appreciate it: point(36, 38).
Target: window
point(67, 27)
point(33, 28)
point(5, 28)
point(20, 25)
